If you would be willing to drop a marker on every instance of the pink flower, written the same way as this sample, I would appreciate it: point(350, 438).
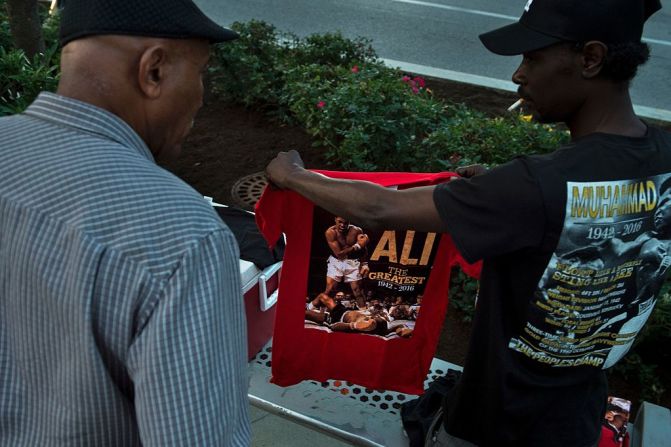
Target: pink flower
point(355, 69)
point(405, 78)
point(420, 81)
point(321, 104)
point(415, 90)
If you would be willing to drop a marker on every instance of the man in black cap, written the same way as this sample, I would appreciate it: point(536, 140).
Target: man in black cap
point(121, 314)
point(546, 325)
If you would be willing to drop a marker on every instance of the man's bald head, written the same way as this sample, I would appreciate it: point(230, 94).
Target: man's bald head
point(154, 84)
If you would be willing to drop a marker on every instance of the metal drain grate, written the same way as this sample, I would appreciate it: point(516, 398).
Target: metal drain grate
point(247, 190)
point(389, 401)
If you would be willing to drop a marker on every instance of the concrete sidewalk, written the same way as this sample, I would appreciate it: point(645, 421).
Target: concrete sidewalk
point(269, 430)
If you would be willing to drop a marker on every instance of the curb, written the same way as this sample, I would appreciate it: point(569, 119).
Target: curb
point(483, 81)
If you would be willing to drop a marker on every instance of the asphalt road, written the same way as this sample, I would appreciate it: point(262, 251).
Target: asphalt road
point(442, 34)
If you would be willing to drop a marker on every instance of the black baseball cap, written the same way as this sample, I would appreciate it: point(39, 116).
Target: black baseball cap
point(179, 19)
point(546, 22)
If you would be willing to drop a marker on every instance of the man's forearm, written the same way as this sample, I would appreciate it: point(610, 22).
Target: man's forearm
point(359, 201)
point(365, 203)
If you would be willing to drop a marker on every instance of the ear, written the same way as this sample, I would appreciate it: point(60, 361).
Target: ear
point(593, 57)
point(152, 70)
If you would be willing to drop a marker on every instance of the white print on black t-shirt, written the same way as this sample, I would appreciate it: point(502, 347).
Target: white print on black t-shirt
point(601, 283)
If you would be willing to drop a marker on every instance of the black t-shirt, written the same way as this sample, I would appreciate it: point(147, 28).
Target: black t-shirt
point(574, 246)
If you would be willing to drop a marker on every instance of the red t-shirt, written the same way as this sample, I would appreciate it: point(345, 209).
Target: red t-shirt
point(406, 264)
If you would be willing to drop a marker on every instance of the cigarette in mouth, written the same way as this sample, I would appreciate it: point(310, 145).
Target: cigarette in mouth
point(516, 105)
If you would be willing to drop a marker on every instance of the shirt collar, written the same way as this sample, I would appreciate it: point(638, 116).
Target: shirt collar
point(87, 118)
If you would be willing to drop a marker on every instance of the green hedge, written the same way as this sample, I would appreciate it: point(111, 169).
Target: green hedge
point(367, 116)
point(21, 78)
point(251, 70)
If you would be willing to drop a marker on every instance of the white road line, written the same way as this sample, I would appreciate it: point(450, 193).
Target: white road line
point(456, 8)
point(498, 16)
point(484, 81)
point(657, 41)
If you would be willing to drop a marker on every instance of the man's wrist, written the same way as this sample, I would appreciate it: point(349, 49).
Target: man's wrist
point(293, 178)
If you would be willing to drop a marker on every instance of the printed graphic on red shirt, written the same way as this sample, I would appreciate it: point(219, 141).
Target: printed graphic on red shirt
point(368, 282)
point(602, 282)
point(396, 267)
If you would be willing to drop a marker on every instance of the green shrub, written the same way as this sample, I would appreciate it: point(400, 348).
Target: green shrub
point(50, 27)
point(22, 78)
point(471, 137)
point(368, 117)
point(635, 370)
point(50, 24)
point(463, 292)
point(5, 33)
point(251, 70)
point(646, 357)
point(377, 119)
point(657, 330)
point(332, 49)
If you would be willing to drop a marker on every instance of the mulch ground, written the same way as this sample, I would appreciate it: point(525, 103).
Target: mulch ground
point(229, 142)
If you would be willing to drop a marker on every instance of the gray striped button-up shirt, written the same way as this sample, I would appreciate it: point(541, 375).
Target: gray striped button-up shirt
point(121, 314)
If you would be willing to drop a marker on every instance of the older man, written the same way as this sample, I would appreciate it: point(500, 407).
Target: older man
point(544, 330)
point(121, 315)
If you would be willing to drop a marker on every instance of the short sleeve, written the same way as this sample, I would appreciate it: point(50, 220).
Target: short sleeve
point(494, 213)
point(188, 364)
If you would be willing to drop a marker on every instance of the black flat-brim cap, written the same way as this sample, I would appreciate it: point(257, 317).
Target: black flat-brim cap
point(177, 19)
point(546, 22)
point(516, 39)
